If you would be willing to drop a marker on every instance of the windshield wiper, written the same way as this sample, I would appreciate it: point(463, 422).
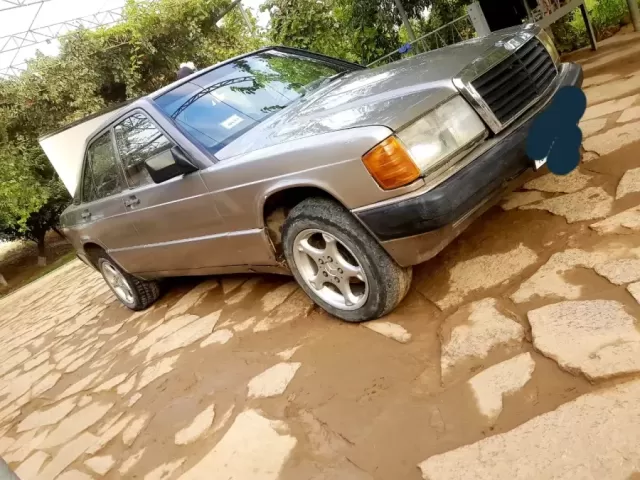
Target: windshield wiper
point(316, 84)
point(338, 75)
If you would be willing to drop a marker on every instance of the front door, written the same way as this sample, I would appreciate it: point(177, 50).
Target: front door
point(178, 224)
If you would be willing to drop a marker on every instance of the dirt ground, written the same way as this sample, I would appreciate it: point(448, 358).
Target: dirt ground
point(515, 355)
point(19, 260)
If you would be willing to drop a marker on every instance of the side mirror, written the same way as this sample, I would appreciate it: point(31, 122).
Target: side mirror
point(169, 164)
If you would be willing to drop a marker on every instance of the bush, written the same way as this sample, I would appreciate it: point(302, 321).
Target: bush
point(607, 16)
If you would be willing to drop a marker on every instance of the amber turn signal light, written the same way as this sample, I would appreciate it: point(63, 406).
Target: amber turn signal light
point(390, 165)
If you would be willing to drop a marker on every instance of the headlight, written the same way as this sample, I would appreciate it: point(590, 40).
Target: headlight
point(547, 41)
point(442, 133)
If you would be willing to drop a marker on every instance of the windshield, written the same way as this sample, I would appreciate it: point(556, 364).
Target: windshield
point(219, 106)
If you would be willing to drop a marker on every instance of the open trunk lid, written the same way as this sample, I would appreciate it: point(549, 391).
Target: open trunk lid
point(65, 147)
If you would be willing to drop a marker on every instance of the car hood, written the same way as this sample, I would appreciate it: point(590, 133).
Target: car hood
point(392, 95)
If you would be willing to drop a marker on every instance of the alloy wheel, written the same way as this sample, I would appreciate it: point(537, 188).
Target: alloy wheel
point(330, 269)
point(118, 283)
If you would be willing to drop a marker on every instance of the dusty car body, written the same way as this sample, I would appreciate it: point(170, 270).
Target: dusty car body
point(284, 161)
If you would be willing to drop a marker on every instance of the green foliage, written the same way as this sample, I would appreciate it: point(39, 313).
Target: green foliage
point(96, 69)
point(356, 30)
point(442, 13)
point(20, 192)
point(607, 16)
point(309, 24)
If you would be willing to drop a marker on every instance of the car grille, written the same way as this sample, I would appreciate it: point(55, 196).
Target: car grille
point(511, 85)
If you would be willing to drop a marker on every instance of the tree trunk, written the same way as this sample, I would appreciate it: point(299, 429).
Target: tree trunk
point(55, 229)
point(42, 254)
point(3, 282)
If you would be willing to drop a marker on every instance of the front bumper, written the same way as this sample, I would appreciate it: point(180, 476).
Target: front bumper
point(416, 228)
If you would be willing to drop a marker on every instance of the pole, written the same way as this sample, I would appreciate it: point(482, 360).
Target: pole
point(246, 19)
point(227, 10)
point(587, 23)
point(635, 14)
point(405, 20)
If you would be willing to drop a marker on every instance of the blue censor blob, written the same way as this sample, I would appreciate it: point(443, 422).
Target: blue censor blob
point(404, 48)
point(555, 133)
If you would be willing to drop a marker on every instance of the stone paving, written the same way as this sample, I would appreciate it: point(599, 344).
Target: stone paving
point(515, 355)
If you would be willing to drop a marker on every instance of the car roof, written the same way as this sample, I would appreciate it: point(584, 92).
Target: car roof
point(132, 103)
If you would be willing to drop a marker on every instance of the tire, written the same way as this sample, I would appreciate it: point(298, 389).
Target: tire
point(376, 283)
point(143, 293)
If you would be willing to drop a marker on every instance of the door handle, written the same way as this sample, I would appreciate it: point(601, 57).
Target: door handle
point(132, 201)
point(86, 214)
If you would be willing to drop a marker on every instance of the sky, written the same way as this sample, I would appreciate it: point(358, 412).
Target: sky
point(18, 20)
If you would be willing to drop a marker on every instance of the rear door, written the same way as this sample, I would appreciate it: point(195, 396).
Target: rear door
point(178, 223)
point(101, 216)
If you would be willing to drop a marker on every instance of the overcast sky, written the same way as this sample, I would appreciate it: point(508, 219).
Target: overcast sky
point(54, 11)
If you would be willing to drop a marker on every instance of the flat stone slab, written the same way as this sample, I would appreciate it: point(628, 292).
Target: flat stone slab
point(589, 157)
point(621, 54)
point(629, 114)
point(589, 127)
point(101, 465)
point(473, 331)
point(634, 290)
point(47, 416)
point(485, 271)
point(197, 428)
point(596, 338)
point(549, 280)
point(219, 337)
point(506, 378)
point(613, 139)
point(614, 89)
point(623, 222)
point(389, 330)
point(588, 204)
point(518, 199)
point(273, 381)
point(191, 299)
point(630, 183)
point(254, 447)
point(602, 109)
point(621, 271)
point(593, 437)
point(297, 305)
point(598, 79)
point(550, 182)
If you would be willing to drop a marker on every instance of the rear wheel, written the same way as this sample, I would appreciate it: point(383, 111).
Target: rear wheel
point(339, 264)
point(133, 292)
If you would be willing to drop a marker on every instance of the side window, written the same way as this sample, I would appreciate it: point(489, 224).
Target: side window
point(101, 177)
point(138, 140)
point(88, 190)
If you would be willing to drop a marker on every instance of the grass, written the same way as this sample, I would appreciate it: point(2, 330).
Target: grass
point(63, 260)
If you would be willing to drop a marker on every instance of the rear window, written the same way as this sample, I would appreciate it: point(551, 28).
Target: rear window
point(219, 106)
point(102, 176)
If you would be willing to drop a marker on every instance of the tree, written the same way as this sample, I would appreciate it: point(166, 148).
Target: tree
point(357, 30)
point(314, 25)
point(28, 208)
point(96, 69)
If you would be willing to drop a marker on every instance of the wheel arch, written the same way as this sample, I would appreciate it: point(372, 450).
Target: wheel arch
point(278, 202)
point(90, 250)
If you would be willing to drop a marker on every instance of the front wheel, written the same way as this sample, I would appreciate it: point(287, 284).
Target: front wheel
point(339, 264)
point(133, 292)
